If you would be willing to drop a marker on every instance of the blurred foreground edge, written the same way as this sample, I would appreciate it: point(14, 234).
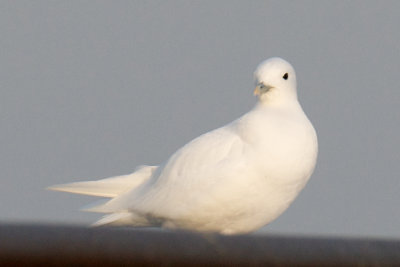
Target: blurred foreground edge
point(39, 245)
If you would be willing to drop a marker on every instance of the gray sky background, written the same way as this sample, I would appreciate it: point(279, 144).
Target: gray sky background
point(91, 89)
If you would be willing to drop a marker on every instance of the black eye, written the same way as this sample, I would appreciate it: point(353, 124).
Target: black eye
point(285, 76)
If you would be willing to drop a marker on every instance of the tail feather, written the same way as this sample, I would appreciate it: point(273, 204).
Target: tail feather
point(96, 206)
point(109, 187)
point(112, 188)
point(120, 219)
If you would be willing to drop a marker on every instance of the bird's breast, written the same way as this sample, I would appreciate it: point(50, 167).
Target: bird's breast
point(284, 145)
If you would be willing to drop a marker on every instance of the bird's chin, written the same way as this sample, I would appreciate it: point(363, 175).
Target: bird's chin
point(263, 94)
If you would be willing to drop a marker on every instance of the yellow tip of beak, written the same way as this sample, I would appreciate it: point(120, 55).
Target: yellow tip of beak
point(256, 91)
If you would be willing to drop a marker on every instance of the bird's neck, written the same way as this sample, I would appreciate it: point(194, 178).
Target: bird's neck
point(278, 97)
point(277, 102)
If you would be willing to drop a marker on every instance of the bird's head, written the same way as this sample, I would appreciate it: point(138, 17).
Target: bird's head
point(275, 80)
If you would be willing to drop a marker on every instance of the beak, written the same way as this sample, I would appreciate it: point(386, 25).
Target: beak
point(261, 89)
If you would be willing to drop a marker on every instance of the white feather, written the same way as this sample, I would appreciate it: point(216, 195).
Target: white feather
point(109, 187)
point(234, 179)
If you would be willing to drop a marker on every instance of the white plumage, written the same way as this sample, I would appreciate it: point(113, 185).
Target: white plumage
point(231, 180)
